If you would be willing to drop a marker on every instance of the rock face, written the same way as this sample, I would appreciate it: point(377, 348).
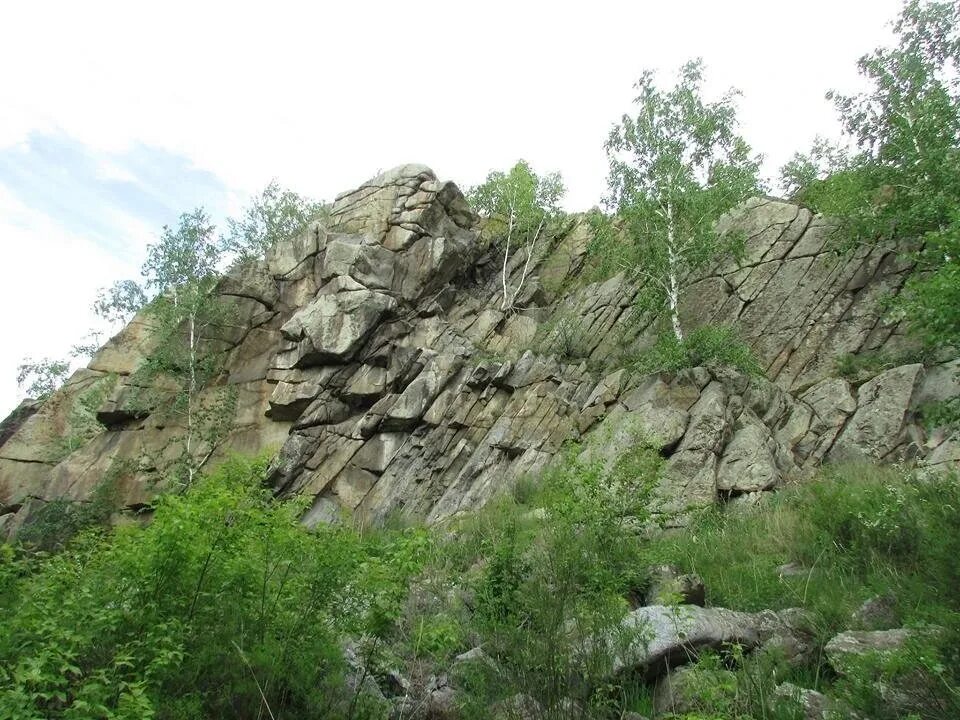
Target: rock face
point(371, 356)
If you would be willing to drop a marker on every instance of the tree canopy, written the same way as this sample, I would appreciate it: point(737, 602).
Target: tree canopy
point(519, 204)
point(675, 168)
point(903, 180)
point(275, 214)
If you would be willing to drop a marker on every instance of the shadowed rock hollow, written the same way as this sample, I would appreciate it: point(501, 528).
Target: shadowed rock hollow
point(371, 356)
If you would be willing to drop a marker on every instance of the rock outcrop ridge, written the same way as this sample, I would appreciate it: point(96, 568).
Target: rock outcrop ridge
point(372, 357)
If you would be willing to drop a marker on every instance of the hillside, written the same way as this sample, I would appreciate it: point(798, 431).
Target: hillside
point(461, 511)
point(371, 355)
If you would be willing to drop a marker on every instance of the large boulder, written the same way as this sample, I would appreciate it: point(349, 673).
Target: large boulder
point(844, 650)
point(656, 638)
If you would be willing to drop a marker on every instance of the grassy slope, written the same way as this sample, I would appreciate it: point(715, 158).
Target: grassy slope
point(224, 605)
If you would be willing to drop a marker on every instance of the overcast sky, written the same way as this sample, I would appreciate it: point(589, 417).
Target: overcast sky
point(115, 118)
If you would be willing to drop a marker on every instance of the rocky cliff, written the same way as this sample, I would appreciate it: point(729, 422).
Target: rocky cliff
point(371, 357)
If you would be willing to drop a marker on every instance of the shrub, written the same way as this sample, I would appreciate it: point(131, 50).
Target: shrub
point(942, 414)
point(919, 680)
point(438, 636)
point(554, 579)
point(54, 524)
point(564, 335)
point(708, 346)
point(861, 523)
point(225, 596)
point(223, 605)
point(857, 367)
point(857, 531)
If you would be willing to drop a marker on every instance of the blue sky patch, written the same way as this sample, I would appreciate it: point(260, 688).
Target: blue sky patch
point(72, 184)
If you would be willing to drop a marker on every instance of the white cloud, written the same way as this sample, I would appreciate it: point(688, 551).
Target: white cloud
point(321, 95)
point(49, 279)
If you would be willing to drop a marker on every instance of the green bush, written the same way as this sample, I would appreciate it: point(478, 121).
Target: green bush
point(919, 680)
point(855, 532)
point(857, 367)
point(563, 335)
point(438, 636)
point(858, 531)
point(943, 414)
point(225, 596)
point(552, 579)
point(58, 521)
point(707, 346)
point(223, 605)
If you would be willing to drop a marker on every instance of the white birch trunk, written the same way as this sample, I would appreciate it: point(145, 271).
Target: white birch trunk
point(191, 392)
point(673, 270)
point(526, 265)
point(506, 255)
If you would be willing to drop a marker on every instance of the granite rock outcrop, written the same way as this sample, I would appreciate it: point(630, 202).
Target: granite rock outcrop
point(370, 357)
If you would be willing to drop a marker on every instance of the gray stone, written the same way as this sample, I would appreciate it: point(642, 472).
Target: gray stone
point(709, 424)
point(379, 450)
point(441, 701)
point(748, 463)
point(668, 584)
point(287, 259)
point(877, 613)
point(518, 707)
point(663, 637)
point(332, 327)
point(832, 402)
point(369, 381)
point(878, 426)
point(17, 417)
point(476, 655)
point(289, 400)
point(422, 391)
point(661, 411)
point(811, 704)
point(843, 650)
point(372, 266)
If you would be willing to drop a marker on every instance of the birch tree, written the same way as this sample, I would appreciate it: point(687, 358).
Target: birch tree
point(519, 205)
point(42, 378)
point(176, 296)
point(903, 178)
point(180, 273)
point(675, 168)
point(275, 214)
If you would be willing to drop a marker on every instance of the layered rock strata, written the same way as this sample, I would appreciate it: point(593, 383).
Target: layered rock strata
point(370, 355)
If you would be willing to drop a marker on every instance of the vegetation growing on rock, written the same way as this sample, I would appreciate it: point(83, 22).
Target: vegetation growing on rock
point(520, 204)
point(492, 485)
point(675, 168)
point(225, 605)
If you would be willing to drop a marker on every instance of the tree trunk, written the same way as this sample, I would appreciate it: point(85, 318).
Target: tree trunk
point(504, 304)
point(191, 393)
point(673, 272)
